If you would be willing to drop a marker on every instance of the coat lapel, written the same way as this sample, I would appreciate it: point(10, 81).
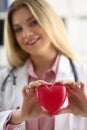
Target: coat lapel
point(21, 75)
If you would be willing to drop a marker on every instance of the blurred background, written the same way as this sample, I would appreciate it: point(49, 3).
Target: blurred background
point(74, 15)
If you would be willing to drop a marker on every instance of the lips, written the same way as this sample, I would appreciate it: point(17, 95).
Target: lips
point(32, 41)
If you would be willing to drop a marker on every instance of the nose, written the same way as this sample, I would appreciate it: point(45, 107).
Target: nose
point(27, 33)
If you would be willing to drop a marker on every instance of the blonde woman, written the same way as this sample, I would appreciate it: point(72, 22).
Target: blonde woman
point(38, 51)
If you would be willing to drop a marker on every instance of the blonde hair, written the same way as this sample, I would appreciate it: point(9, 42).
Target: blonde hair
point(48, 20)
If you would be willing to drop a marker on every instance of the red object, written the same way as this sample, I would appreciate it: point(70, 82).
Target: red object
point(51, 97)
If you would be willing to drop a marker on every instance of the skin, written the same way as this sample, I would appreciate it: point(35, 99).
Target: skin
point(26, 29)
point(30, 107)
point(77, 98)
point(42, 54)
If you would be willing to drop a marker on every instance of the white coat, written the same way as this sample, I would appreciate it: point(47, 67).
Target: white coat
point(11, 97)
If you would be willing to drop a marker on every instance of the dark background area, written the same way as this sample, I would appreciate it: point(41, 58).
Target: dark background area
point(1, 31)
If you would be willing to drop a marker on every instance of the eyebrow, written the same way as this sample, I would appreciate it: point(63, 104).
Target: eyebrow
point(30, 18)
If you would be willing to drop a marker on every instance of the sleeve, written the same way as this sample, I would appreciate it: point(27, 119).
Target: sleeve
point(5, 115)
point(7, 126)
point(3, 118)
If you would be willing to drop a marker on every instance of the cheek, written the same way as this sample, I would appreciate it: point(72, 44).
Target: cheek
point(46, 38)
point(19, 39)
point(43, 34)
point(38, 30)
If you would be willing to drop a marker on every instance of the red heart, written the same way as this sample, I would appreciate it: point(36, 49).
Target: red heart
point(51, 97)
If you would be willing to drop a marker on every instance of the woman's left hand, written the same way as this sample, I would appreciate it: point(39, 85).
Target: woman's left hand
point(77, 98)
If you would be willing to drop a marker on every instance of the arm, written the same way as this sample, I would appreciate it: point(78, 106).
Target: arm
point(8, 126)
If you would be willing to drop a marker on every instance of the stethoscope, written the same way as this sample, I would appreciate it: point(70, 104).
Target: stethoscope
point(14, 78)
point(10, 74)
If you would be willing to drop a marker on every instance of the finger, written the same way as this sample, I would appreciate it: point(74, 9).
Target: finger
point(66, 81)
point(81, 85)
point(32, 84)
point(25, 90)
point(72, 93)
point(64, 110)
point(72, 86)
point(28, 91)
point(36, 83)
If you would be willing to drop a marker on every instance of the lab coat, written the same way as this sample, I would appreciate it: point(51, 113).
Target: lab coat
point(11, 97)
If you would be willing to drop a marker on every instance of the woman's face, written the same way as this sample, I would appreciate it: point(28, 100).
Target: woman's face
point(29, 34)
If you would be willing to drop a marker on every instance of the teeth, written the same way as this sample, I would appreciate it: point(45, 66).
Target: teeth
point(33, 41)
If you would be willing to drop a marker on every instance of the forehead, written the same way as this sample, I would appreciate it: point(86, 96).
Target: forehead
point(21, 14)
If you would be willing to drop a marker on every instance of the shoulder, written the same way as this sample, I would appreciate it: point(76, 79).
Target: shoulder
point(81, 69)
point(3, 74)
point(5, 71)
point(81, 66)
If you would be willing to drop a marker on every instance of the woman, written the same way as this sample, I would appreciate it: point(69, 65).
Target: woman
point(37, 49)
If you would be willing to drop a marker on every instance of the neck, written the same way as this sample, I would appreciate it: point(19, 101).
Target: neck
point(43, 63)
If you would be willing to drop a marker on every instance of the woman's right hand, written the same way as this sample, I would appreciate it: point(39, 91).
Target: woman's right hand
point(30, 107)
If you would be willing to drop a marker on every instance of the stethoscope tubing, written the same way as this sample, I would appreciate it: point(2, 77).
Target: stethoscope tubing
point(74, 70)
point(6, 78)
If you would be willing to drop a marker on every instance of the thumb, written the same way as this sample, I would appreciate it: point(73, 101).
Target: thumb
point(25, 90)
point(64, 110)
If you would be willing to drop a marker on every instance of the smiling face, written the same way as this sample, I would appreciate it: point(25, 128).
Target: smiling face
point(29, 34)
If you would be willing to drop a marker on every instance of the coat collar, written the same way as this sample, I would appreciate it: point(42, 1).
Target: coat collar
point(64, 65)
point(64, 70)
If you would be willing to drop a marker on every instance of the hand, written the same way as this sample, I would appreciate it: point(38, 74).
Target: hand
point(77, 98)
point(30, 108)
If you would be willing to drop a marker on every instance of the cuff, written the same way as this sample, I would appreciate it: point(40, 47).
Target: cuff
point(8, 126)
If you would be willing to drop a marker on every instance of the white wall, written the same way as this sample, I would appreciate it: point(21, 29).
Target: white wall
point(75, 14)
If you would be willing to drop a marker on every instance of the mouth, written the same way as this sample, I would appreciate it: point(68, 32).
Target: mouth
point(33, 41)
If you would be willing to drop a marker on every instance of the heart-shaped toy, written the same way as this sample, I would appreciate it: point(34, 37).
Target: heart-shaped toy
point(51, 97)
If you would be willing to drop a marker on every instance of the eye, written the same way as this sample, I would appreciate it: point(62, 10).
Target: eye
point(33, 23)
point(18, 30)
